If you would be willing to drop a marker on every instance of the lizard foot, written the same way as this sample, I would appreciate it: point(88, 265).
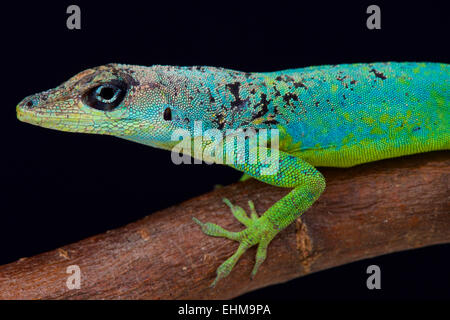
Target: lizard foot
point(259, 231)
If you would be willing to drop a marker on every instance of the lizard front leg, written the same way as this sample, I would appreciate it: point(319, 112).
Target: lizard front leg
point(293, 172)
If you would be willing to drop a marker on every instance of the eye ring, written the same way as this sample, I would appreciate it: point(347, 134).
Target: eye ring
point(107, 93)
point(106, 96)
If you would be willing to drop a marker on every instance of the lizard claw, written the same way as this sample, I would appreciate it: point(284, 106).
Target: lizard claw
point(258, 232)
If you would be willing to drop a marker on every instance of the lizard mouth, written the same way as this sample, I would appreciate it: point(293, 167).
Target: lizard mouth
point(51, 120)
point(31, 117)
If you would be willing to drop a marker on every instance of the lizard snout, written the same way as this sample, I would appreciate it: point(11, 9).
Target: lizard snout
point(29, 102)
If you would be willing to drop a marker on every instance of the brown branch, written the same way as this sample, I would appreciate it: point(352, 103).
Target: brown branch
point(365, 211)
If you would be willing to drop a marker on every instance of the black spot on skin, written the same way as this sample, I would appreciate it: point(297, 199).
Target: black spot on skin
point(220, 121)
point(341, 79)
point(242, 105)
point(378, 74)
point(234, 89)
point(285, 78)
point(127, 70)
point(353, 82)
point(264, 103)
point(270, 121)
point(253, 91)
point(316, 103)
point(288, 96)
point(211, 98)
point(343, 96)
point(238, 103)
point(300, 84)
point(416, 129)
point(275, 110)
point(289, 79)
point(277, 93)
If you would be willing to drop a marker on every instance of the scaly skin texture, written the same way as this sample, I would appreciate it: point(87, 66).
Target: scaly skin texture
point(338, 116)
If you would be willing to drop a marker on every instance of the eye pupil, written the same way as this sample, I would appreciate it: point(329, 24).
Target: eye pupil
point(106, 96)
point(107, 93)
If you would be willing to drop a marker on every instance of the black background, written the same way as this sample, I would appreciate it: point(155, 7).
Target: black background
point(58, 188)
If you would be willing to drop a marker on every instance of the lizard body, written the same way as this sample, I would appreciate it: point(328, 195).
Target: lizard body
point(339, 116)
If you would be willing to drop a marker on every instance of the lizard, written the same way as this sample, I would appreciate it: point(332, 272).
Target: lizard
point(330, 115)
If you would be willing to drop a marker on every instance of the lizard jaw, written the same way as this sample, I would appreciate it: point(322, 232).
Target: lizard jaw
point(61, 123)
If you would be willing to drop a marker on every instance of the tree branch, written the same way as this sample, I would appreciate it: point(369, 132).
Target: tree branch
point(366, 211)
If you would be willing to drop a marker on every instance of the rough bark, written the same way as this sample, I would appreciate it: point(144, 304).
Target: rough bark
point(366, 211)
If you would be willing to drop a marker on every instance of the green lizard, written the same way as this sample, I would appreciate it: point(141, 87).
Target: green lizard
point(338, 116)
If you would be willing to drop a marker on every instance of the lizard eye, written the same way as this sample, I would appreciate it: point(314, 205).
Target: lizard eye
point(106, 96)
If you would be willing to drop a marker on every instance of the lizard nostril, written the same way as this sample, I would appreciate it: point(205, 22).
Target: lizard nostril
point(30, 103)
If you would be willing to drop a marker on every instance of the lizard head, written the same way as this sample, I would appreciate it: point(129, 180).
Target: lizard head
point(120, 100)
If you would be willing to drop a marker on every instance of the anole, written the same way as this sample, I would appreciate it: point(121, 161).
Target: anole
point(338, 116)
